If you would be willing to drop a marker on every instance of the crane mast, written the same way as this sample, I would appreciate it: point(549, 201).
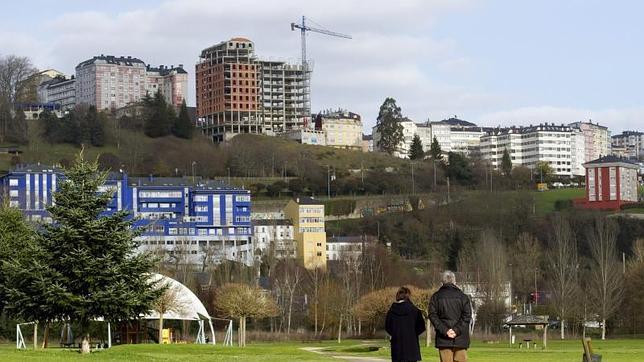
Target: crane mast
point(304, 28)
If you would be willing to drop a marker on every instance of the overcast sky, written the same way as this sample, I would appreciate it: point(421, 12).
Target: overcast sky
point(491, 62)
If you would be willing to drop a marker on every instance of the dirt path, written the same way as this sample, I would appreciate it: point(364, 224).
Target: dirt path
point(340, 356)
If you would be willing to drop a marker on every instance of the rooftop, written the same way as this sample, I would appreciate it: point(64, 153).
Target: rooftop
point(306, 200)
point(270, 222)
point(111, 59)
point(453, 121)
point(165, 70)
point(611, 159)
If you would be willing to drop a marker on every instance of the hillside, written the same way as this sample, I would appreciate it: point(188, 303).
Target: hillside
point(246, 156)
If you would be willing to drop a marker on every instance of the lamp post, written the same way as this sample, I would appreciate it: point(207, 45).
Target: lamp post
point(193, 170)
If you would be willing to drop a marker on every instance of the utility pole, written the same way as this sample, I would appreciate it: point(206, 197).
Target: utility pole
point(448, 199)
point(413, 182)
point(193, 171)
point(362, 172)
point(536, 292)
point(434, 175)
point(228, 176)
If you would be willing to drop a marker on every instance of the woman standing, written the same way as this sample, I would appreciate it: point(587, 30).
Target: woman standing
point(404, 324)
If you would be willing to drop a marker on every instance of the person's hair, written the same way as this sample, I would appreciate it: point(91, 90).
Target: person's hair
point(403, 293)
point(448, 277)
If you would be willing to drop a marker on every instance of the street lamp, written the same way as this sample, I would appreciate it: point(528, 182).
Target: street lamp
point(194, 163)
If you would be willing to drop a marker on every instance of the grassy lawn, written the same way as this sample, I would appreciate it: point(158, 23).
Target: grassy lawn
point(622, 350)
point(545, 201)
point(179, 352)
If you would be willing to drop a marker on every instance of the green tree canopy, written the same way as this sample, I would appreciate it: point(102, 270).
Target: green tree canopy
point(389, 127)
point(416, 149)
point(159, 116)
point(506, 163)
point(86, 265)
point(435, 150)
point(183, 125)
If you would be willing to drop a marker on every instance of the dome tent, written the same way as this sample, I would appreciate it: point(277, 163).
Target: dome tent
point(189, 307)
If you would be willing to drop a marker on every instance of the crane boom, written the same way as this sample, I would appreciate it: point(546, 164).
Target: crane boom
point(304, 28)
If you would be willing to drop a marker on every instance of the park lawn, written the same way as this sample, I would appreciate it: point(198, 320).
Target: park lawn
point(621, 350)
point(177, 352)
point(545, 200)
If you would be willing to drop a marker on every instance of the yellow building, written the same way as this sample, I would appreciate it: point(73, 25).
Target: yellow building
point(307, 215)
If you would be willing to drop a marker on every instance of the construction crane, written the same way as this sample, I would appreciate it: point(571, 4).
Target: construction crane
point(304, 28)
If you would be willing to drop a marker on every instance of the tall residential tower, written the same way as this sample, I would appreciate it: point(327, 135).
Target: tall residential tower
point(239, 93)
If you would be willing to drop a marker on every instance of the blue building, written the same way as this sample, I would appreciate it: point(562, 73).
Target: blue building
point(199, 222)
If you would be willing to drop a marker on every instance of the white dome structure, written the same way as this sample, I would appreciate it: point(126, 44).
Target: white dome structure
point(190, 307)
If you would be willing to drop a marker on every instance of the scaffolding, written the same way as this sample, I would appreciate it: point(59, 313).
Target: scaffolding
point(239, 93)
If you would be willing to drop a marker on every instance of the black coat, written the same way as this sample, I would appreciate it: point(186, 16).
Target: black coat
point(404, 324)
point(449, 308)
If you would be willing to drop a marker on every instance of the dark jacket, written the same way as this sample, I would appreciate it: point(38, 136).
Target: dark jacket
point(404, 324)
point(449, 308)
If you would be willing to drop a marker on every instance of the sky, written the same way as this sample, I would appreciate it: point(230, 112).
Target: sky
point(492, 62)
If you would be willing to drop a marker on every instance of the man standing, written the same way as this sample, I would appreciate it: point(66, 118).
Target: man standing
point(450, 313)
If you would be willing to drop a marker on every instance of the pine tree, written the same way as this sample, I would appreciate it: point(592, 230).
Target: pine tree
point(17, 244)
point(159, 116)
point(183, 125)
point(388, 126)
point(416, 149)
point(95, 130)
point(89, 263)
point(506, 163)
point(435, 150)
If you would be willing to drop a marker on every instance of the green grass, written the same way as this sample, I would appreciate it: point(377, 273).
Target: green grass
point(179, 352)
point(545, 200)
point(621, 350)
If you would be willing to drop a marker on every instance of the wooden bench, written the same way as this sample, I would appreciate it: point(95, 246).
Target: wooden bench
point(589, 356)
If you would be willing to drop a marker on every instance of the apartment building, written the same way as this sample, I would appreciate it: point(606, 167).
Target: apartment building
point(348, 247)
point(307, 216)
point(110, 82)
point(597, 140)
point(560, 146)
point(198, 222)
point(342, 129)
point(453, 135)
point(274, 238)
point(237, 92)
point(59, 90)
point(630, 144)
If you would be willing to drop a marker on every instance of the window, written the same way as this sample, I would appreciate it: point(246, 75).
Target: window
point(13, 193)
point(161, 194)
point(243, 198)
point(201, 208)
point(201, 198)
point(13, 182)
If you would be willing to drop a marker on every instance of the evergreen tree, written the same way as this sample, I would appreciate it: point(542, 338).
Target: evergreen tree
point(17, 244)
point(159, 116)
point(183, 125)
point(435, 150)
point(89, 266)
point(458, 168)
point(506, 163)
point(95, 131)
point(388, 126)
point(50, 126)
point(416, 149)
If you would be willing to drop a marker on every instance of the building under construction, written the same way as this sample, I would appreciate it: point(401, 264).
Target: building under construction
point(240, 93)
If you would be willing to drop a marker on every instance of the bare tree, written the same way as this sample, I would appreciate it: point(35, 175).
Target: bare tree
point(525, 259)
point(17, 81)
point(314, 280)
point(562, 267)
point(243, 301)
point(168, 302)
point(606, 288)
point(288, 277)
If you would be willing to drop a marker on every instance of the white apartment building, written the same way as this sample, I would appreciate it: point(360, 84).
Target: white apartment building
point(274, 237)
point(563, 147)
point(110, 82)
point(342, 129)
point(597, 140)
point(453, 135)
point(348, 247)
point(629, 144)
point(58, 90)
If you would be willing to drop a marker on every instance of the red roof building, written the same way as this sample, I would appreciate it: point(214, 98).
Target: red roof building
point(610, 182)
